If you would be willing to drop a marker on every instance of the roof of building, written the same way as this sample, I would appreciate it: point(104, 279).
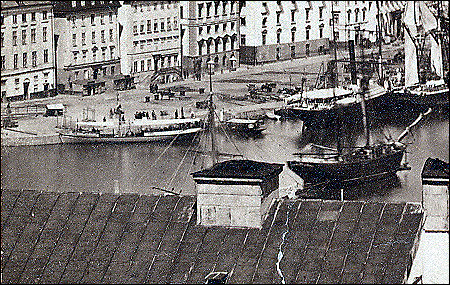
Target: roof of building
point(18, 4)
point(66, 6)
point(50, 237)
point(240, 169)
point(435, 168)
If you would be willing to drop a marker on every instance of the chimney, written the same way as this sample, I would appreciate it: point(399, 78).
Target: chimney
point(236, 193)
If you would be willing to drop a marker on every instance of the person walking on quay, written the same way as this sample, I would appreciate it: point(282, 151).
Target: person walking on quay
point(176, 114)
point(153, 115)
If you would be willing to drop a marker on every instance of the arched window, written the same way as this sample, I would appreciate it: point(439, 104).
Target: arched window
point(364, 14)
point(321, 26)
point(349, 14)
point(278, 36)
point(200, 47)
point(224, 60)
point(356, 15)
point(264, 37)
point(308, 29)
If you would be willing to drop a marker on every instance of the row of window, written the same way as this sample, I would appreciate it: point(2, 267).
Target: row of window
point(93, 37)
point(162, 6)
point(24, 17)
point(216, 28)
point(24, 36)
point(155, 41)
point(293, 32)
point(87, 74)
point(217, 43)
point(156, 28)
point(25, 62)
point(162, 62)
point(349, 13)
point(35, 83)
point(94, 55)
point(92, 21)
point(209, 5)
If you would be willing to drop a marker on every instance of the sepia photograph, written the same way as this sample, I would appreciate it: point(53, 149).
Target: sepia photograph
point(225, 142)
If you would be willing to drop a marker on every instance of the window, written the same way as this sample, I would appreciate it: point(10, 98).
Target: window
point(113, 69)
point(264, 22)
point(320, 31)
point(16, 61)
point(104, 53)
point(162, 25)
point(200, 30)
point(293, 16)
point(279, 36)
point(84, 55)
point(243, 21)
point(292, 51)
point(242, 40)
point(169, 26)
point(2, 39)
point(83, 39)
point(45, 55)
point(232, 26)
point(102, 35)
point(110, 17)
point(208, 9)
point(264, 37)
point(135, 66)
point(216, 28)
point(293, 35)
point(33, 35)
point(216, 8)
point(111, 51)
point(142, 29)
point(181, 12)
point(356, 15)
point(278, 18)
point(200, 8)
point(24, 60)
point(24, 37)
point(24, 18)
point(33, 16)
point(82, 20)
point(320, 12)
point(17, 81)
point(224, 11)
point(307, 14)
point(14, 19)
point(44, 34)
point(135, 29)
point(74, 40)
point(14, 38)
point(44, 15)
point(102, 19)
point(75, 57)
point(349, 13)
point(92, 19)
point(208, 29)
point(93, 37)
point(155, 26)
point(308, 28)
point(149, 64)
point(364, 14)
point(3, 63)
point(111, 35)
point(149, 26)
point(142, 65)
point(175, 23)
point(34, 58)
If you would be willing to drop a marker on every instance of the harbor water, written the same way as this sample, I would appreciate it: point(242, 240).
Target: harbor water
point(146, 168)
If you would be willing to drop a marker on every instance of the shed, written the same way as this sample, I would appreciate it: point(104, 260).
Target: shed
point(54, 110)
point(236, 193)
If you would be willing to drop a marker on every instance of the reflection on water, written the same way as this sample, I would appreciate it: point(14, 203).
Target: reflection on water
point(139, 168)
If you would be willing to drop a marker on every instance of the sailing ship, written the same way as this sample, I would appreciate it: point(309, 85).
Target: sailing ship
point(325, 104)
point(369, 162)
point(420, 88)
point(116, 130)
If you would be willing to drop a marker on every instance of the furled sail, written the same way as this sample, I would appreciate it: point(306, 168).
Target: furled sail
point(427, 19)
point(411, 67)
point(436, 57)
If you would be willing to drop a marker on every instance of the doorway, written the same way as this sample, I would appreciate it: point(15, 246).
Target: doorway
point(25, 90)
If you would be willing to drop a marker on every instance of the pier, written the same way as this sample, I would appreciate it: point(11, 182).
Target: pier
point(50, 237)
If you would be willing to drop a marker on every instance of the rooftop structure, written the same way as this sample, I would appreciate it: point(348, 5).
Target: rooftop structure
point(50, 237)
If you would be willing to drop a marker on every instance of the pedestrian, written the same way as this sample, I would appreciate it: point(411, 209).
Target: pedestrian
point(182, 113)
point(104, 119)
point(176, 114)
point(153, 115)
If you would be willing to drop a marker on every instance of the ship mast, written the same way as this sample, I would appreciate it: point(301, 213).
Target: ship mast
point(335, 79)
point(211, 121)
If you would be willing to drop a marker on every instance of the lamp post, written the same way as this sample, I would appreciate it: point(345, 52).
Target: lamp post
point(233, 60)
point(211, 115)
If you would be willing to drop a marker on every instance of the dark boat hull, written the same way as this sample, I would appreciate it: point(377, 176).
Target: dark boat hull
point(316, 172)
point(429, 99)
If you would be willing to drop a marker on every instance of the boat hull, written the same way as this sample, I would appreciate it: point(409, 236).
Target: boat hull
point(430, 99)
point(156, 136)
point(317, 172)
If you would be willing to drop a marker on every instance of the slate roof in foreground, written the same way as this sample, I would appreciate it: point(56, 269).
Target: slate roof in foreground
point(91, 238)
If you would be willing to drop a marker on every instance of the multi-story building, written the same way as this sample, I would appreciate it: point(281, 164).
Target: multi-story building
point(27, 50)
point(150, 40)
point(280, 30)
point(209, 31)
point(87, 45)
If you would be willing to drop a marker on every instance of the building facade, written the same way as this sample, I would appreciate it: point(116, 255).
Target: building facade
point(27, 50)
point(280, 30)
point(209, 31)
point(87, 41)
point(150, 40)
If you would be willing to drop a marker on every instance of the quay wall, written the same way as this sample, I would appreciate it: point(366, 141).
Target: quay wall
point(30, 140)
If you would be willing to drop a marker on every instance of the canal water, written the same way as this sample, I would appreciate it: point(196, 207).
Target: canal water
point(146, 168)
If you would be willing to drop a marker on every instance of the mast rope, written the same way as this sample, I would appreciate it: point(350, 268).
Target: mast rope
point(228, 137)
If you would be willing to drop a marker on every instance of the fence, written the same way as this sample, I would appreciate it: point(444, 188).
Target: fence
point(24, 111)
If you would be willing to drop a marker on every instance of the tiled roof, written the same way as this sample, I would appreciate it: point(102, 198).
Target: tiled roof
point(241, 169)
point(91, 238)
point(66, 6)
point(17, 4)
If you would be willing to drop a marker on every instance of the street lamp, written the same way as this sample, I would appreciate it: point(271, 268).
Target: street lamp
point(211, 63)
point(233, 60)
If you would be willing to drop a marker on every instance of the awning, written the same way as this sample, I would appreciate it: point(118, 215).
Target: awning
point(55, 106)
